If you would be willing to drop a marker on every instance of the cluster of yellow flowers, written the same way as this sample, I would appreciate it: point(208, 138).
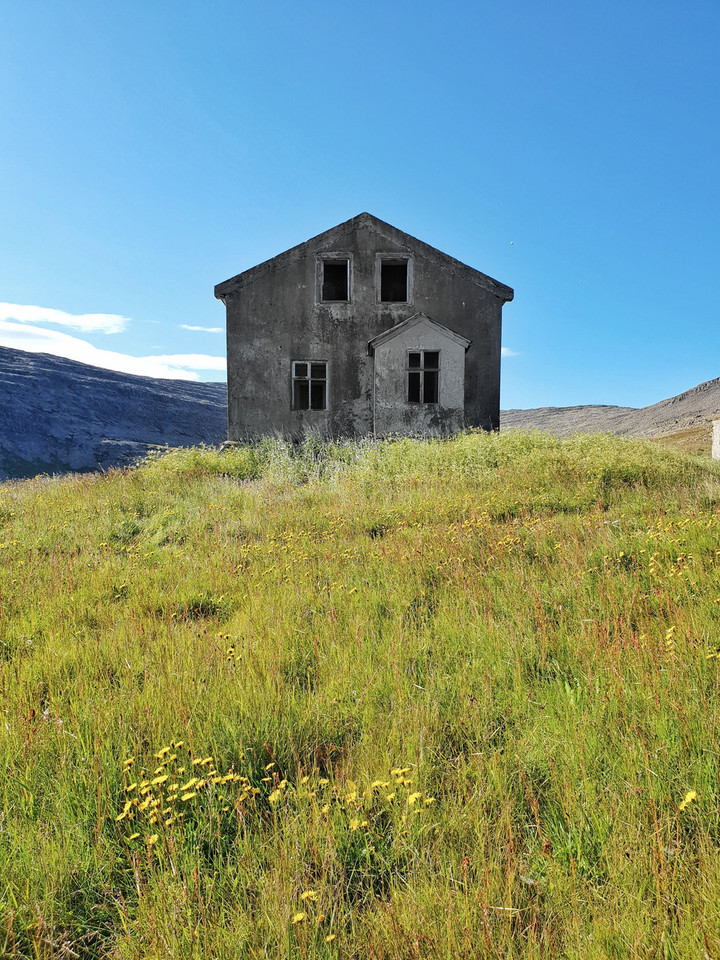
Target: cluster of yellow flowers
point(156, 803)
point(158, 800)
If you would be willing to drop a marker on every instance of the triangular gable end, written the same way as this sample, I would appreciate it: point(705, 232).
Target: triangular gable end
point(414, 321)
point(334, 235)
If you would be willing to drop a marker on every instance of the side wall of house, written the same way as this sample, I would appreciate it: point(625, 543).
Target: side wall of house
point(274, 317)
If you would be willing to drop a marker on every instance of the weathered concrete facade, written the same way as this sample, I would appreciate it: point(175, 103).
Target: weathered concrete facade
point(362, 329)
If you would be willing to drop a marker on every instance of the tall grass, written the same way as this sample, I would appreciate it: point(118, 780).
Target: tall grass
point(395, 699)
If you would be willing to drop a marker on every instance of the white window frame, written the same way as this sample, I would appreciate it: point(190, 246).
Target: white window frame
point(309, 380)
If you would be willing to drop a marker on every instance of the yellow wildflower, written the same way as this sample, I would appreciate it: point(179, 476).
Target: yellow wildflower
point(689, 797)
point(129, 761)
point(298, 917)
point(329, 938)
point(309, 895)
point(188, 796)
point(275, 796)
point(354, 823)
point(131, 787)
point(161, 753)
point(152, 839)
point(133, 836)
point(161, 779)
point(191, 783)
point(412, 798)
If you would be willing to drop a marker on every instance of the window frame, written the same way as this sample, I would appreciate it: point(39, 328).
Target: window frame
point(421, 370)
point(309, 379)
point(321, 260)
point(394, 257)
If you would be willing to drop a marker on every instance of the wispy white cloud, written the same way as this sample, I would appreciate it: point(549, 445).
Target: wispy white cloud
point(87, 322)
point(508, 353)
point(23, 336)
point(188, 326)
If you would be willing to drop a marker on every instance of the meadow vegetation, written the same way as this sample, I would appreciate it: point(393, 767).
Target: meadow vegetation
point(444, 698)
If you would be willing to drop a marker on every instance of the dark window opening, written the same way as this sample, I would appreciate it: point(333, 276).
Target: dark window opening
point(393, 281)
point(309, 385)
point(423, 376)
point(335, 280)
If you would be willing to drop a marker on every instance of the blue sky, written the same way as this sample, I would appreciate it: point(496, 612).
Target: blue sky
point(149, 150)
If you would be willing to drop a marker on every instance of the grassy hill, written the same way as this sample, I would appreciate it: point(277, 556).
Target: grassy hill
point(409, 699)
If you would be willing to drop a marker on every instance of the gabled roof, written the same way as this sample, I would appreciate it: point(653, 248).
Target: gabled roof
point(417, 320)
point(334, 237)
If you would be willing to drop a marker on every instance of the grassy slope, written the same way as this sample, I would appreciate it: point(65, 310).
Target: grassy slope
point(529, 625)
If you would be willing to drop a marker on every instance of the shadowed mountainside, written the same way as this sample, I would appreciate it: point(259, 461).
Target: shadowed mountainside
point(58, 415)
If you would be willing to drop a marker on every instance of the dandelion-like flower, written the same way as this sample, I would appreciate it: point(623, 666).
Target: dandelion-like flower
point(688, 799)
point(298, 917)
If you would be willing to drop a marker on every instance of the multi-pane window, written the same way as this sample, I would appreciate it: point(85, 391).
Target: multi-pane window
point(309, 385)
point(335, 283)
point(423, 376)
point(393, 281)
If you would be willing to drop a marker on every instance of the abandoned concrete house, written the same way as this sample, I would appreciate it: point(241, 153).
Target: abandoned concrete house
point(362, 329)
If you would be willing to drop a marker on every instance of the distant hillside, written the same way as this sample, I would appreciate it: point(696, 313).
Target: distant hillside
point(57, 415)
point(691, 409)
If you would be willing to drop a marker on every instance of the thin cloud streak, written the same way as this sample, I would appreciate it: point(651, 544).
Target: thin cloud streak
point(182, 366)
point(87, 322)
point(188, 326)
point(505, 352)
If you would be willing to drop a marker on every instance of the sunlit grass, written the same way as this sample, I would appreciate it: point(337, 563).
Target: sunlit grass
point(395, 699)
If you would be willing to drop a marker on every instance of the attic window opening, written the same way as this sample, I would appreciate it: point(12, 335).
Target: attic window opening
point(423, 376)
point(394, 281)
point(335, 280)
point(309, 385)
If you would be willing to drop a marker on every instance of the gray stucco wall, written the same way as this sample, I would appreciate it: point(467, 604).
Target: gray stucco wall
point(274, 317)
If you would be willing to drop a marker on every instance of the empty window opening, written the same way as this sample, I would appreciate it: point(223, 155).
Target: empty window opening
point(335, 284)
point(394, 281)
point(423, 374)
point(309, 385)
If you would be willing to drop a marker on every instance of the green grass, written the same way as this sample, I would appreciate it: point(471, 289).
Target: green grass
point(528, 625)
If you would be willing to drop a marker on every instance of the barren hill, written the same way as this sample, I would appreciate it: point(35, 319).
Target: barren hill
point(57, 415)
point(693, 408)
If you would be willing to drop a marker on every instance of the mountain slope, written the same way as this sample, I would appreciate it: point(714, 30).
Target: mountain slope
point(58, 415)
point(692, 408)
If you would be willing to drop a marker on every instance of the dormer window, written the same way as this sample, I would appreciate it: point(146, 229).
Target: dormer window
point(335, 280)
